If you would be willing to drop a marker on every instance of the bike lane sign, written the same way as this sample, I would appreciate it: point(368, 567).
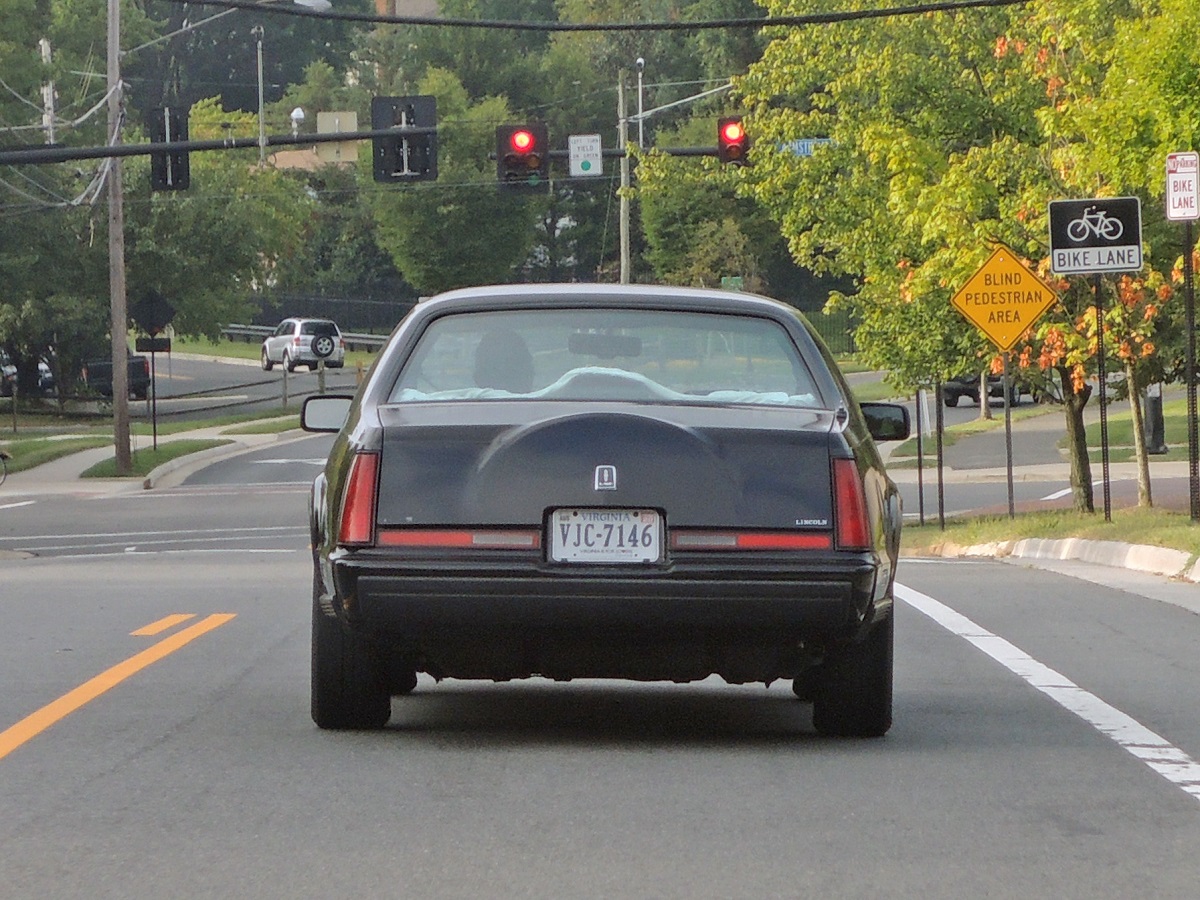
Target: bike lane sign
point(1103, 234)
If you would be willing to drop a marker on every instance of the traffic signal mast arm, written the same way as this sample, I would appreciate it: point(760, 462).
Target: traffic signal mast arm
point(44, 154)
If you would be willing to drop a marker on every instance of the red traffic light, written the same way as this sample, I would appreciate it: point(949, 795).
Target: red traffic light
point(522, 141)
point(732, 140)
point(523, 157)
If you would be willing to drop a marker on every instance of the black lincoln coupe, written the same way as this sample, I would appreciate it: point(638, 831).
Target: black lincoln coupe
point(591, 481)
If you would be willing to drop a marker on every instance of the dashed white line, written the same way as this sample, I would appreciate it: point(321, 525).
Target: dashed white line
point(1156, 752)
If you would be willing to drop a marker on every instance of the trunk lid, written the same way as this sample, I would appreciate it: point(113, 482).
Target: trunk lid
point(506, 464)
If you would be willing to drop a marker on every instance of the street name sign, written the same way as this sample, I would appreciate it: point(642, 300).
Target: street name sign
point(586, 156)
point(1003, 298)
point(1183, 193)
point(1103, 234)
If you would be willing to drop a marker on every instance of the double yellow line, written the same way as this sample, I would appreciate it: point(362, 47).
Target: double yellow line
point(35, 723)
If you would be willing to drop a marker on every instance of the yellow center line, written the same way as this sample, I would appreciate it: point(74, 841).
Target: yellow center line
point(162, 625)
point(35, 723)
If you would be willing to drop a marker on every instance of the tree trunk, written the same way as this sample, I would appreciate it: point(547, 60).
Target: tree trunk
point(985, 402)
point(1081, 466)
point(1139, 438)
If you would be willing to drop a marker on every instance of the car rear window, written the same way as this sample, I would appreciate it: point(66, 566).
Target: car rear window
point(606, 354)
point(319, 328)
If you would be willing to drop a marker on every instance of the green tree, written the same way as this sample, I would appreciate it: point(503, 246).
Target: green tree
point(209, 249)
point(950, 131)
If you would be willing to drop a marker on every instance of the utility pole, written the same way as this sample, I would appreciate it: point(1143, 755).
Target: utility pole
point(47, 94)
point(623, 139)
point(116, 250)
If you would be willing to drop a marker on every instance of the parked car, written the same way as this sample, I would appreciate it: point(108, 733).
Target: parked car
point(98, 376)
point(8, 376)
point(304, 342)
point(968, 386)
point(583, 481)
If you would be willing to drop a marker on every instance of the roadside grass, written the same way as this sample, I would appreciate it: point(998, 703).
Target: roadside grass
point(42, 438)
point(873, 391)
point(1120, 433)
point(251, 350)
point(147, 459)
point(28, 453)
point(1132, 525)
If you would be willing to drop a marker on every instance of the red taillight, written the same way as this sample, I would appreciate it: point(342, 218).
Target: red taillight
point(851, 524)
point(506, 539)
point(358, 503)
point(749, 540)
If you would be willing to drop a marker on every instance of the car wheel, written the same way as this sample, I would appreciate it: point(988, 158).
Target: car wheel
point(288, 362)
point(951, 399)
point(804, 685)
point(854, 697)
point(348, 687)
point(267, 365)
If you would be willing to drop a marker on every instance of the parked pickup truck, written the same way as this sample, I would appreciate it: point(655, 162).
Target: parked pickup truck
point(98, 376)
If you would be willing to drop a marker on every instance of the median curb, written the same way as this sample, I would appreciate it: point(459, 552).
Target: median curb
point(1174, 564)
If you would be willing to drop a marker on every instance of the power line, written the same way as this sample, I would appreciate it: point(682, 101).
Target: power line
point(701, 25)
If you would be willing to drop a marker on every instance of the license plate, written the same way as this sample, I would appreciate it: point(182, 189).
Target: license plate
point(606, 536)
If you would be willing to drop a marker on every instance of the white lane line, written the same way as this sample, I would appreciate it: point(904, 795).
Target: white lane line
point(1057, 494)
point(268, 462)
point(1167, 760)
point(15, 505)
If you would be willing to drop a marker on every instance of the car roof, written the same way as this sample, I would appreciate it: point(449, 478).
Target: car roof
point(502, 295)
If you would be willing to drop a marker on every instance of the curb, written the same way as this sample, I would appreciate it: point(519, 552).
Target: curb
point(1173, 564)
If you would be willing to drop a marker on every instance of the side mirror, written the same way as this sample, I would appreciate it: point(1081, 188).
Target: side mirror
point(325, 413)
point(886, 421)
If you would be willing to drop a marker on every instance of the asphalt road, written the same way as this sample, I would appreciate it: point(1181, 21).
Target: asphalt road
point(155, 738)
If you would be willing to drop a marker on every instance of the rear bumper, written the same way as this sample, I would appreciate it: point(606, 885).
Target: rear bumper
point(826, 597)
point(683, 622)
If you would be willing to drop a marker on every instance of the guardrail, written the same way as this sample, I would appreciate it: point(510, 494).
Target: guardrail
point(255, 333)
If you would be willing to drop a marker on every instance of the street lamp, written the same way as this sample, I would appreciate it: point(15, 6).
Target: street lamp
point(297, 118)
point(257, 31)
point(640, 64)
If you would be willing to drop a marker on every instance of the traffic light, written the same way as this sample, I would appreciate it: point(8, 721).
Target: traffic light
point(732, 142)
point(169, 169)
point(404, 157)
point(523, 157)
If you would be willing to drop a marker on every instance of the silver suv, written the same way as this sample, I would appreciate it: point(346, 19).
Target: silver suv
point(303, 342)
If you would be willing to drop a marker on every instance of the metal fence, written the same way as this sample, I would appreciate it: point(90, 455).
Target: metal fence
point(837, 330)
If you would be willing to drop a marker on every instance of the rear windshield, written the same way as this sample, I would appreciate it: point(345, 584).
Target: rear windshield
point(606, 354)
point(319, 328)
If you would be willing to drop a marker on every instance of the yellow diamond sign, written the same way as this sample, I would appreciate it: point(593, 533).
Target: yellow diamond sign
point(1003, 298)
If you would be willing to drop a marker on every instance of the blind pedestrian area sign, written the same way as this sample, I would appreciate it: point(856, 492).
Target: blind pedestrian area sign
point(1103, 234)
point(1003, 298)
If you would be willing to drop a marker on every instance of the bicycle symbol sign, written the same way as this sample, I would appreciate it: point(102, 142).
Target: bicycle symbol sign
point(1094, 221)
point(1099, 235)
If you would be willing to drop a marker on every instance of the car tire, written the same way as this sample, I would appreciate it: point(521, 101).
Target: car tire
point(267, 365)
point(854, 697)
point(288, 362)
point(950, 399)
point(348, 686)
point(1014, 396)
